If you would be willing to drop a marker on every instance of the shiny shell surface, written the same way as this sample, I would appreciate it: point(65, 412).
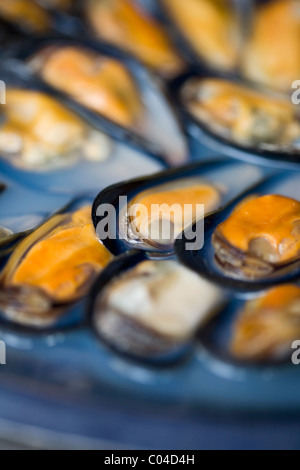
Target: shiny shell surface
point(242, 120)
point(138, 116)
point(53, 160)
point(256, 267)
point(212, 184)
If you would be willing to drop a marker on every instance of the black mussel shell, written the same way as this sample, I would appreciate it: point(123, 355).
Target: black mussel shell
point(217, 337)
point(282, 155)
point(110, 210)
point(31, 308)
point(203, 260)
point(130, 336)
point(169, 145)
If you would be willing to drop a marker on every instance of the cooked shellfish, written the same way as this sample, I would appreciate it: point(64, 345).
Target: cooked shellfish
point(154, 308)
point(242, 115)
point(157, 216)
point(272, 56)
point(211, 27)
point(26, 14)
point(261, 236)
point(39, 132)
point(268, 325)
point(125, 24)
point(53, 267)
point(100, 83)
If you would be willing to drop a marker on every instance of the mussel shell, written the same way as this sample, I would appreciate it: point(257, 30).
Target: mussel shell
point(126, 336)
point(43, 313)
point(74, 22)
point(41, 158)
point(10, 37)
point(203, 261)
point(151, 9)
point(59, 24)
point(230, 177)
point(169, 143)
point(211, 341)
point(215, 337)
point(250, 63)
point(239, 264)
point(62, 23)
point(281, 158)
point(195, 59)
point(123, 161)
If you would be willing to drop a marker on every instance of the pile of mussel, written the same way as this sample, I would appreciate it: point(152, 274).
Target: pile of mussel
point(132, 98)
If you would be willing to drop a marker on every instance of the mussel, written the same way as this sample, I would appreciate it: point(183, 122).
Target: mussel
point(38, 132)
point(243, 115)
point(100, 83)
point(211, 27)
point(52, 268)
point(111, 89)
point(268, 325)
point(272, 56)
point(154, 308)
point(159, 215)
point(127, 25)
point(260, 237)
point(150, 212)
point(27, 15)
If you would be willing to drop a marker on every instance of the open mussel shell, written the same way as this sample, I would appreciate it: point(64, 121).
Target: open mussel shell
point(134, 26)
point(26, 16)
point(48, 291)
point(112, 211)
point(157, 131)
point(130, 307)
point(51, 159)
point(245, 273)
point(264, 127)
point(271, 55)
point(209, 33)
point(34, 18)
point(255, 330)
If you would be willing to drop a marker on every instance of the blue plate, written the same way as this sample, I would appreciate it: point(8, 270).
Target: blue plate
point(23, 208)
